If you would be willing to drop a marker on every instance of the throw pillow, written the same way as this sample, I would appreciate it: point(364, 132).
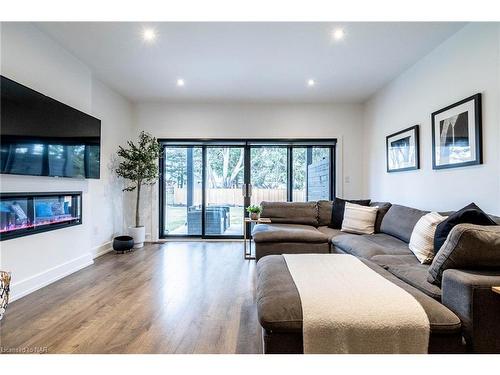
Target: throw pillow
point(468, 246)
point(359, 219)
point(422, 237)
point(338, 208)
point(470, 214)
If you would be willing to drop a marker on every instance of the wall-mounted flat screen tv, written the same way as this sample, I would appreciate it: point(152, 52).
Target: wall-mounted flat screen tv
point(41, 136)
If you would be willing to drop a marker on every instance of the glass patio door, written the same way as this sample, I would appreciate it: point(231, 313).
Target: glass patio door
point(182, 191)
point(224, 200)
point(268, 174)
point(205, 185)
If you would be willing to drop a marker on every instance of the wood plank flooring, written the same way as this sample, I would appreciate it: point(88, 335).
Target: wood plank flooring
point(178, 297)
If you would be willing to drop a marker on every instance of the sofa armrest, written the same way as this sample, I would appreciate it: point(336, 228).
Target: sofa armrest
point(469, 295)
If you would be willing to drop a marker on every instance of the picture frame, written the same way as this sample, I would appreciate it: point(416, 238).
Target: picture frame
point(403, 150)
point(457, 134)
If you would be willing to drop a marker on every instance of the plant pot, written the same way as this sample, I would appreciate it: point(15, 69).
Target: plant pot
point(254, 215)
point(139, 235)
point(123, 243)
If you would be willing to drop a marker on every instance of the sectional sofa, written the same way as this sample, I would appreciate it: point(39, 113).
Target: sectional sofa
point(463, 311)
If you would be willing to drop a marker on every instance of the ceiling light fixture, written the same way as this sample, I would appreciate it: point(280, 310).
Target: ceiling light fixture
point(338, 34)
point(311, 82)
point(149, 35)
point(180, 82)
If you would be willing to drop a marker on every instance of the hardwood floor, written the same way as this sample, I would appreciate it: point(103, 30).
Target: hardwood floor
point(178, 297)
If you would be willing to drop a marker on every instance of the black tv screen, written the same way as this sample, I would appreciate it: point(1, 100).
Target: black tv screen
point(40, 136)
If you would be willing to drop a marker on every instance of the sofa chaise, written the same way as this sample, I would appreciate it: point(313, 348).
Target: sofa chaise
point(463, 312)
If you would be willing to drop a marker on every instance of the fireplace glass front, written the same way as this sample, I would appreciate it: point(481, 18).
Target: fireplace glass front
point(22, 214)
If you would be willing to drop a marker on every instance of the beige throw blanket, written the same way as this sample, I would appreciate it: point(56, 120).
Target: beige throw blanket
point(349, 308)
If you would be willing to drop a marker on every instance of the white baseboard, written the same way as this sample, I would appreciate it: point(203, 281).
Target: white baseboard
point(102, 249)
point(35, 282)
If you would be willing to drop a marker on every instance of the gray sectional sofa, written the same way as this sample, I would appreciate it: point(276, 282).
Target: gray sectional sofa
point(463, 311)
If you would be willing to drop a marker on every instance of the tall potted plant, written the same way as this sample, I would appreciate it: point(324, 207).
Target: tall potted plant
point(139, 165)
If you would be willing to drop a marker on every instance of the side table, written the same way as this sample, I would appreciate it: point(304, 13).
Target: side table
point(248, 249)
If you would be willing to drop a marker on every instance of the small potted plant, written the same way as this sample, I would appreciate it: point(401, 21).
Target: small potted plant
point(254, 211)
point(139, 165)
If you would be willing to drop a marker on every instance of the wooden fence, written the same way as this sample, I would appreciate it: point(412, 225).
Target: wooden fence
point(231, 197)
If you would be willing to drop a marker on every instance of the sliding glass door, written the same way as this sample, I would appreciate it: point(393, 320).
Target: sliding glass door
point(206, 185)
point(224, 179)
point(268, 174)
point(182, 191)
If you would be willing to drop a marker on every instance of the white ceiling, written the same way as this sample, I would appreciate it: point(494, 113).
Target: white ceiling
point(249, 61)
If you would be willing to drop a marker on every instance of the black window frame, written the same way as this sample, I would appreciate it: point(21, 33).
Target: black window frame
point(247, 144)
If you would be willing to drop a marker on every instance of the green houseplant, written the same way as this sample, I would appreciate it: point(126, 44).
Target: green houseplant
point(254, 211)
point(139, 165)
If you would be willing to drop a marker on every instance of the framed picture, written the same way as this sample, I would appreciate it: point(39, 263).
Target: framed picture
point(403, 150)
point(456, 134)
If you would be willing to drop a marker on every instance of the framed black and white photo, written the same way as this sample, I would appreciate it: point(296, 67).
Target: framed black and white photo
point(403, 150)
point(456, 134)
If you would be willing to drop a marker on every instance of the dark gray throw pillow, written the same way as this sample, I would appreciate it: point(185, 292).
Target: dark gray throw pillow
point(468, 246)
point(338, 208)
point(470, 214)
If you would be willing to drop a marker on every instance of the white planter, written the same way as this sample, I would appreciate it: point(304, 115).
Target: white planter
point(254, 215)
point(139, 235)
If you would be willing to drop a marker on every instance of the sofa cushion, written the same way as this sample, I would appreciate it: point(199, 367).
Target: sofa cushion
point(330, 232)
point(291, 212)
point(383, 207)
point(470, 214)
point(324, 212)
point(338, 208)
point(416, 276)
point(399, 221)
point(366, 246)
point(468, 246)
point(288, 233)
point(280, 310)
point(394, 260)
point(392, 245)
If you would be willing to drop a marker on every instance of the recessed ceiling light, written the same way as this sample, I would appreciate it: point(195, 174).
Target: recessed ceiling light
point(180, 82)
point(338, 34)
point(311, 82)
point(148, 35)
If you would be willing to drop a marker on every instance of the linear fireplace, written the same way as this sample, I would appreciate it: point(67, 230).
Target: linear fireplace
point(22, 214)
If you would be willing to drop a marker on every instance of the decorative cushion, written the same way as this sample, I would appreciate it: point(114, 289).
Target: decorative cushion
point(359, 219)
point(470, 214)
point(399, 221)
point(468, 246)
point(422, 237)
point(383, 207)
point(338, 208)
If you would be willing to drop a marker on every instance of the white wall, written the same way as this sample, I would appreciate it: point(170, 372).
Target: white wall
point(212, 120)
point(30, 57)
point(465, 64)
